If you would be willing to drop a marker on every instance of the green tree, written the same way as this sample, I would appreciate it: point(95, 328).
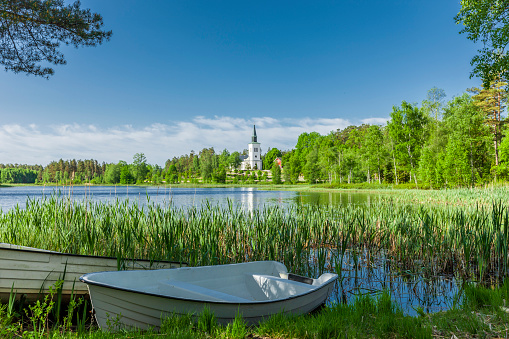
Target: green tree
point(31, 32)
point(327, 156)
point(269, 158)
point(291, 167)
point(305, 144)
point(503, 168)
point(406, 129)
point(486, 21)
point(112, 173)
point(171, 175)
point(126, 177)
point(467, 151)
point(276, 174)
point(234, 160)
point(223, 158)
point(312, 168)
point(492, 102)
point(207, 163)
point(219, 175)
point(431, 164)
point(374, 151)
point(140, 167)
point(434, 103)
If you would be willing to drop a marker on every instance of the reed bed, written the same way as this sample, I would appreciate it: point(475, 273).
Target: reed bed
point(452, 197)
point(468, 241)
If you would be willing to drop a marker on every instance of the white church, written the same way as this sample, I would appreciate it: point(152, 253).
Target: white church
point(254, 158)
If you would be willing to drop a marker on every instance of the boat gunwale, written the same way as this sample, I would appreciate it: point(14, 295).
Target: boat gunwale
point(42, 251)
point(85, 280)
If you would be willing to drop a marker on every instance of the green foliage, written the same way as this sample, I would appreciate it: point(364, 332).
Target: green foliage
point(140, 168)
point(291, 167)
point(40, 311)
point(219, 176)
point(178, 326)
point(207, 321)
point(237, 329)
point(8, 327)
point(18, 176)
point(406, 129)
point(234, 160)
point(270, 156)
point(72, 171)
point(312, 167)
point(171, 175)
point(367, 317)
point(112, 173)
point(126, 177)
point(276, 174)
point(208, 162)
point(487, 21)
point(33, 30)
point(466, 160)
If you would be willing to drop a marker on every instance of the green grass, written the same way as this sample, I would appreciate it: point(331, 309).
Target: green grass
point(463, 232)
point(466, 236)
point(480, 313)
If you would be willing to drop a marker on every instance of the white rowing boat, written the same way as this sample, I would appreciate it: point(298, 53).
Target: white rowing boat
point(32, 271)
point(257, 290)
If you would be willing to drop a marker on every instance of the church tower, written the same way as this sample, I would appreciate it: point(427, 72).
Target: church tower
point(254, 158)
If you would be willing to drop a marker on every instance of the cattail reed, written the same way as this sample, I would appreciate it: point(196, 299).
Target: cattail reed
point(468, 241)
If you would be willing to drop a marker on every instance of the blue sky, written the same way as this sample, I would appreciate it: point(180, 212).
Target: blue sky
point(184, 75)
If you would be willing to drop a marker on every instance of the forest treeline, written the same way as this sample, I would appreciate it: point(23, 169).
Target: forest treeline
point(434, 144)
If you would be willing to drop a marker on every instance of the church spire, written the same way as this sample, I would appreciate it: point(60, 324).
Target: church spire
point(254, 137)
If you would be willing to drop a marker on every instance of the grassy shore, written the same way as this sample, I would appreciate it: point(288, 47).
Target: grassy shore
point(462, 232)
point(480, 313)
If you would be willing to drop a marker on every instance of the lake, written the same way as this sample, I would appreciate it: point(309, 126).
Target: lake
point(411, 291)
point(180, 197)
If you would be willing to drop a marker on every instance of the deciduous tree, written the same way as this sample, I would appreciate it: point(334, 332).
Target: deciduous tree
point(406, 129)
point(269, 158)
point(487, 21)
point(492, 101)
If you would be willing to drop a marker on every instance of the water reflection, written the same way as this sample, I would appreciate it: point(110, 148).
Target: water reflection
point(336, 198)
point(364, 275)
point(181, 197)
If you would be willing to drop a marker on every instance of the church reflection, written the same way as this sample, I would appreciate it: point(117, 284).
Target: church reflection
point(249, 199)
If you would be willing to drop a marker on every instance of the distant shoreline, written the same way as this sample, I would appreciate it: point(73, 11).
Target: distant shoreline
point(360, 188)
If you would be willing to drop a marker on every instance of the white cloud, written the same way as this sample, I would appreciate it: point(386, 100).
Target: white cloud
point(375, 121)
point(32, 144)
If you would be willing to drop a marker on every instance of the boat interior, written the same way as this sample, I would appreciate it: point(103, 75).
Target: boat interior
point(237, 283)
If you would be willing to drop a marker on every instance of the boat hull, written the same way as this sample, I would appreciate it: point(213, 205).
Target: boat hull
point(30, 271)
point(116, 308)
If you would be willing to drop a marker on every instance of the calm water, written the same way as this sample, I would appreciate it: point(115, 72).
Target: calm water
point(247, 197)
point(410, 291)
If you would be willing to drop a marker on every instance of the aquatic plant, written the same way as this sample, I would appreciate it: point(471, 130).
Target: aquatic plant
point(465, 240)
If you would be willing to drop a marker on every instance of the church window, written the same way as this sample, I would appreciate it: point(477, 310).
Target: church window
point(256, 149)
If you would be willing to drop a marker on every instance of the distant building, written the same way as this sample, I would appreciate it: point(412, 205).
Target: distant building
point(278, 161)
point(254, 157)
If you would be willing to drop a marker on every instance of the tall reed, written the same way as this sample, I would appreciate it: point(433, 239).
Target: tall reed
point(468, 241)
